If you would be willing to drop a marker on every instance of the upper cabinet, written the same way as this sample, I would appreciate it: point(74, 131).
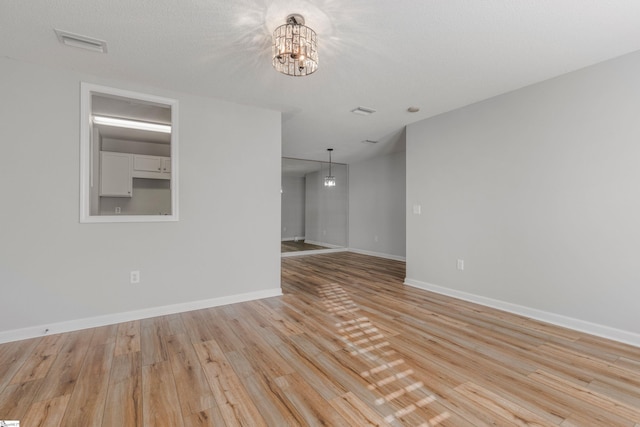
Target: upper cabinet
point(151, 167)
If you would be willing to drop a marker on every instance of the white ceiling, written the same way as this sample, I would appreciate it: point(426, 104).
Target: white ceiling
point(387, 55)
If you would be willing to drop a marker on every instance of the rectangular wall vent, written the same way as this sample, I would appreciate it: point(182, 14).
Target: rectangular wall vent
point(363, 111)
point(80, 41)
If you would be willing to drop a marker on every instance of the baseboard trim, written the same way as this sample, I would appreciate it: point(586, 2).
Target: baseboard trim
point(110, 319)
point(326, 245)
point(292, 239)
point(312, 252)
point(377, 254)
point(620, 335)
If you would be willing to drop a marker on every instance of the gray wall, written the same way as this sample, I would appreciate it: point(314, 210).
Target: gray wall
point(326, 209)
point(538, 191)
point(377, 216)
point(54, 269)
point(293, 197)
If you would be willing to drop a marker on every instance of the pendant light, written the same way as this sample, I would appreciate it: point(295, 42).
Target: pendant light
point(330, 180)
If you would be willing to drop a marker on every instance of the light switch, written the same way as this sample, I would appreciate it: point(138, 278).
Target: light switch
point(417, 209)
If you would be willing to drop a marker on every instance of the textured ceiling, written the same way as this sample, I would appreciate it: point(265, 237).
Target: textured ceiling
point(386, 55)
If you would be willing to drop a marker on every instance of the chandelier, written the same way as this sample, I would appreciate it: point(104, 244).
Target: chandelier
point(330, 180)
point(295, 48)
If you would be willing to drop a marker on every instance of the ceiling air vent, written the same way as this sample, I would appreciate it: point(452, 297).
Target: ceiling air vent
point(83, 42)
point(363, 111)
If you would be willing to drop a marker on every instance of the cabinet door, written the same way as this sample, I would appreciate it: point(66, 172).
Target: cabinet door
point(147, 163)
point(115, 174)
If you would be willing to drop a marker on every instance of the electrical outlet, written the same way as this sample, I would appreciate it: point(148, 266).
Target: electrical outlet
point(135, 276)
point(118, 210)
point(460, 264)
point(417, 209)
point(375, 238)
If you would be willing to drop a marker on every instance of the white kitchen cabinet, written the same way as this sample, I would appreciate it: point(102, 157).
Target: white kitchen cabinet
point(115, 174)
point(151, 167)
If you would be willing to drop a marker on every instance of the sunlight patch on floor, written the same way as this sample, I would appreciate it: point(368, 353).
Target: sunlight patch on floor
point(363, 339)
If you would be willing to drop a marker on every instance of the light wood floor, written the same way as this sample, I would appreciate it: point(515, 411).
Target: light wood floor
point(347, 345)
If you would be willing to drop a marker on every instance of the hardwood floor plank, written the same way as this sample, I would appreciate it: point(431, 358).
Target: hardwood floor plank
point(161, 406)
point(512, 413)
point(218, 324)
point(311, 408)
point(152, 342)
point(312, 373)
point(269, 400)
point(232, 399)
point(86, 405)
point(352, 381)
point(273, 319)
point(128, 338)
point(65, 371)
point(598, 367)
point(308, 316)
point(606, 403)
point(207, 325)
point(355, 411)
point(38, 364)
point(174, 324)
point(629, 363)
point(191, 384)
point(105, 335)
point(265, 358)
point(16, 399)
point(462, 364)
point(167, 325)
point(627, 394)
point(47, 413)
point(14, 352)
point(210, 417)
point(123, 406)
point(12, 357)
point(397, 386)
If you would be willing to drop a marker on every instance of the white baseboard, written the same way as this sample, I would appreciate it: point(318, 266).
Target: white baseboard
point(326, 245)
point(377, 254)
point(312, 252)
point(110, 319)
point(620, 335)
point(341, 249)
point(292, 239)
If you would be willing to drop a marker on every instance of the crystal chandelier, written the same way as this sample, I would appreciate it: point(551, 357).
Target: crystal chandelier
point(330, 180)
point(295, 48)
